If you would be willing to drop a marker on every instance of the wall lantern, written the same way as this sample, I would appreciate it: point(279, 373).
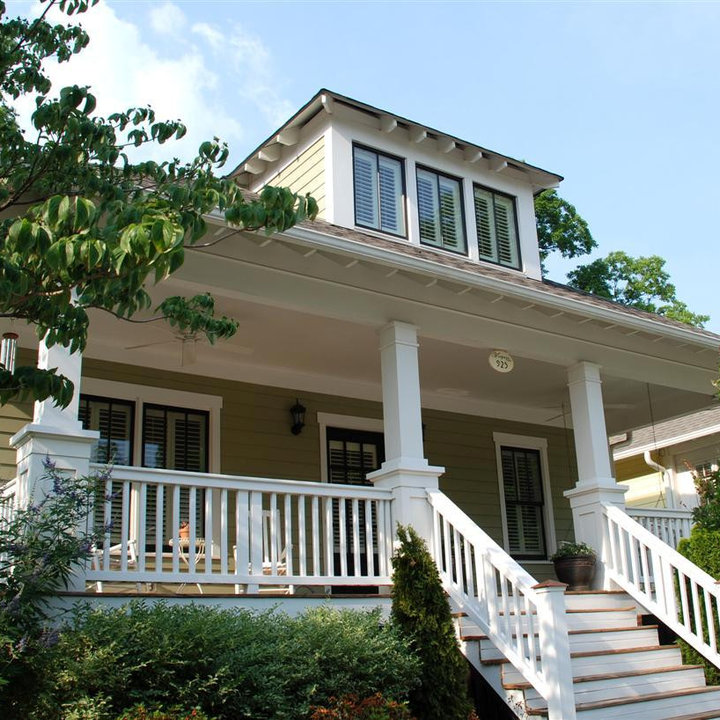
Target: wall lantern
point(8, 347)
point(501, 361)
point(297, 411)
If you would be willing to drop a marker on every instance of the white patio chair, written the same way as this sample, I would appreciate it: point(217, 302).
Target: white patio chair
point(115, 553)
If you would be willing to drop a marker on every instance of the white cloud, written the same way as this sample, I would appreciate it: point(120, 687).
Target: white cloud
point(168, 19)
point(209, 78)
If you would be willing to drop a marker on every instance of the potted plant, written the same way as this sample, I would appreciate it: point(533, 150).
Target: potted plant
point(184, 530)
point(574, 564)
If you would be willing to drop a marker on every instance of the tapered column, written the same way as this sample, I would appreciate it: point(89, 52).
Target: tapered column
point(596, 485)
point(405, 470)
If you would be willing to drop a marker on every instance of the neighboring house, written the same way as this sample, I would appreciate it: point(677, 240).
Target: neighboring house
point(441, 382)
point(656, 462)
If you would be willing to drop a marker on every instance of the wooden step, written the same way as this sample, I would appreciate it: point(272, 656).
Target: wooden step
point(625, 660)
point(656, 706)
point(627, 685)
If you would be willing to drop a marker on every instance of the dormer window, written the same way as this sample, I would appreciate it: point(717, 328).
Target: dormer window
point(496, 227)
point(379, 181)
point(440, 211)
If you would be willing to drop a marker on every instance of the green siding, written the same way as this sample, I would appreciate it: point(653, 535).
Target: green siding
point(306, 174)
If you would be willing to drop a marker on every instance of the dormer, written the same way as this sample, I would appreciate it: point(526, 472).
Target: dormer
point(382, 174)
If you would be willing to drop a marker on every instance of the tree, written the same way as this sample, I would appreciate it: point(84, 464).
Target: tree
point(85, 226)
point(639, 282)
point(560, 227)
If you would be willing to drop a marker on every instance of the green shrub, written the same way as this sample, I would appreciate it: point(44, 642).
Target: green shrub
point(230, 664)
point(140, 712)
point(703, 549)
point(421, 608)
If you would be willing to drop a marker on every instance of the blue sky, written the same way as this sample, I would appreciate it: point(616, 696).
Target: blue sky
point(623, 99)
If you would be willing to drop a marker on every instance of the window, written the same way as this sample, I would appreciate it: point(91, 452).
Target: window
point(496, 227)
point(175, 438)
point(440, 211)
point(524, 486)
point(379, 191)
point(114, 420)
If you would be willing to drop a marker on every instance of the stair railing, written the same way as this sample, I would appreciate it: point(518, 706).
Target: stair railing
point(524, 619)
point(668, 585)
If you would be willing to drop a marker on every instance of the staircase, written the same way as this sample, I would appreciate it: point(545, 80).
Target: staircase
point(619, 668)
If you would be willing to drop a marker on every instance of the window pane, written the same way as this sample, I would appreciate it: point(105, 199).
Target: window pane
point(485, 225)
point(113, 419)
point(366, 198)
point(440, 211)
point(522, 490)
point(451, 214)
point(507, 249)
point(496, 229)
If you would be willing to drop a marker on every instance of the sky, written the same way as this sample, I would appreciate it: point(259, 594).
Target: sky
point(621, 98)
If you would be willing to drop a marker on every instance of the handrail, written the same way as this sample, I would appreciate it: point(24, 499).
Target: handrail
point(677, 592)
point(523, 619)
point(670, 525)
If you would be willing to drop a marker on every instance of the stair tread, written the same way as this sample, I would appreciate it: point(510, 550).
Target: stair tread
point(613, 676)
point(707, 715)
point(615, 702)
point(580, 631)
point(595, 653)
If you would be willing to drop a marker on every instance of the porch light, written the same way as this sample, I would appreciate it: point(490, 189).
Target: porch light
point(297, 411)
point(7, 350)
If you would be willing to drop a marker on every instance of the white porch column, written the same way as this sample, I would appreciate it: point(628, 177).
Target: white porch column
point(405, 470)
point(55, 433)
point(596, 484)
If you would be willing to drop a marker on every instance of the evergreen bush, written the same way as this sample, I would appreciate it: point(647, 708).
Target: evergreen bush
point(421, 609)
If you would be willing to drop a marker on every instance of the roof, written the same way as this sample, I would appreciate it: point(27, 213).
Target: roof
point(488, 270)
point(324, 99)
point(669, 432)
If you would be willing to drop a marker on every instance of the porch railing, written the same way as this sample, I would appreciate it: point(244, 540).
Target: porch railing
point(243, 532)
point(670, 526)
point(667, 584)
point(524, 621)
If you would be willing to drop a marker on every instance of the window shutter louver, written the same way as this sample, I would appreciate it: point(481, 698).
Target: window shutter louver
point(366, 195)
point(427, 208)
point(505, 232)
point(391, 211)
point(450, 221)
point(484, 225)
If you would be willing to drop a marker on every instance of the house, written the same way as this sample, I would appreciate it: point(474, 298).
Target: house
point(656, 462)
point(398, 360)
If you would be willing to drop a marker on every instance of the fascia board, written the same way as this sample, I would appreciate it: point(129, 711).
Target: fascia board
point(404, 262)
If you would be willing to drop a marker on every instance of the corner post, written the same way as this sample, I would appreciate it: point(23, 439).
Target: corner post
point(405, 471)
point(596, 485)
point(54, 433)
point(555, 650)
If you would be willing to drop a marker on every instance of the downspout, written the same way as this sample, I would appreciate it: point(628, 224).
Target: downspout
point(663, 474)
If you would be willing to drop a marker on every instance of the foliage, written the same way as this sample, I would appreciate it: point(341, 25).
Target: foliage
point(230, 664)
point(420, 608)
point(350, 707)
point(39, 546)
point(573, 549)
point(560, 228)
point(140, 712)
point(639, 282)
point(707, 514)
point(84, 226)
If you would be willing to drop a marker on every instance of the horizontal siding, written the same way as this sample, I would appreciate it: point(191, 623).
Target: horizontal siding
point(12, 417)
point(306, 174)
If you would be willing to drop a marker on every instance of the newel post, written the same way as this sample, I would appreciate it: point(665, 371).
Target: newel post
point(54, 433)
point(405, 471)
point(596, 485)
point(555, 650)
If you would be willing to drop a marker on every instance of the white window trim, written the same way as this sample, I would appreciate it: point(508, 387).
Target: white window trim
point(346, 422)
point(142, 394)
point(527, 442)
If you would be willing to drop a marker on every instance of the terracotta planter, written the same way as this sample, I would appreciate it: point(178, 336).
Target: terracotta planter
point(184, 531)
point(577, 572)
